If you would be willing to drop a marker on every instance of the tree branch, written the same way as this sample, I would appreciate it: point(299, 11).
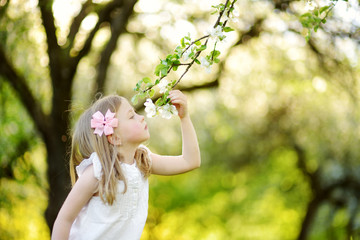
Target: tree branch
point(75, 25)
point(311, 210)
point(118, 25)
point(4, 8)
point(321, 195)
point(54, 49)
point(104, 16)
point(254, 31)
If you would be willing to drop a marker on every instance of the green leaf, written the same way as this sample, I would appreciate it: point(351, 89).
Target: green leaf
point(159, 102)
point(134, 99)
point(201, 48)
point(151, 93)
point(164, 71)
point(198, 43)
point(323, 9)
point(228, 29)
point(149, 85)
point(170, 58)
point(197, 61)
point(137, 88)
point(161, 68)
point(306, 15)
point(182, 41)
point(146, 80)
point(143, 95)
point(215, 53)
point(221, 6)
point(176, 64)
point(216, 60)
point(157, 69)
point(307, 38)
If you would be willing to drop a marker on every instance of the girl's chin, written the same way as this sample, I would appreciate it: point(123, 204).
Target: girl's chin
point(145, 139)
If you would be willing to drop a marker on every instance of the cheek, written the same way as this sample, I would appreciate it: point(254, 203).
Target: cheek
point(132, 131)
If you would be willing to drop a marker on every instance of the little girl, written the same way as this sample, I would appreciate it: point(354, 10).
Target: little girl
point(109, 198)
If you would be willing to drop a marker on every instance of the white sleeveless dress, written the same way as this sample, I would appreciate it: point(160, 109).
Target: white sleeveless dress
point(125, 219)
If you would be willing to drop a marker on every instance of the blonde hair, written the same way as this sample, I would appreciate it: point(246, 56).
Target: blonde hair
point(85, 142)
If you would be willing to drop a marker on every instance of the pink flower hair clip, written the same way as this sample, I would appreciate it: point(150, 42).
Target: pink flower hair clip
point(104, 124)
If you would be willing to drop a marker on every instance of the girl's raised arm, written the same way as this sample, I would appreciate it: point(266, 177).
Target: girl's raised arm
point(80, 194)
point(190, 158)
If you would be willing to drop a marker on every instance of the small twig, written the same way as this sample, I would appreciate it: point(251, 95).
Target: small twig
point(212, 55)
point(193, 42)
point(189, 66)
point(187, 69)
point(182, 64)
point(220, 14)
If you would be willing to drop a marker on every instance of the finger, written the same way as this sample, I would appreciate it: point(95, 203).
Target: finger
point(179, 104)
point(176, 93)
point(175, 97)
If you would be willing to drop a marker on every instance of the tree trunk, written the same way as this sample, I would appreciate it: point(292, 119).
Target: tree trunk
point(58, 178)
point(56, 140)
point(309, 217)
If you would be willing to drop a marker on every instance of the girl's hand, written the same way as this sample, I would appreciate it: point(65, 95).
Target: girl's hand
point(178, 99)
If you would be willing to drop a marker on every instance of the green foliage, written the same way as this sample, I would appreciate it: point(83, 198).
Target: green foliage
point(313, 19)
point(18, 136)
point(22, 172)
point(212, 202)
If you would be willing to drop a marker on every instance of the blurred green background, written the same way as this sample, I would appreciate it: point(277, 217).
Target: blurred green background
point(277, 119)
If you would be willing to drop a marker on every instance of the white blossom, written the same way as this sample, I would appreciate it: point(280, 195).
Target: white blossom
point(216, 33)
point(310, 5)
point(188, 52)
point(150, 108)
point(163, 85)
point(206, 64)
point(235, 13)
point(167, 110)
point(234, 17)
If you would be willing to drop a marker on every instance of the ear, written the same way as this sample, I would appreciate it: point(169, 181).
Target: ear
point(112, 139)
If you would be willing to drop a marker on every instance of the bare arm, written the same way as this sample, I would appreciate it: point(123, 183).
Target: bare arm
point(80, 194)
point(190, 158)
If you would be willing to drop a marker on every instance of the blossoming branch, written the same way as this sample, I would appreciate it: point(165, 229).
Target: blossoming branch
point(185, 55)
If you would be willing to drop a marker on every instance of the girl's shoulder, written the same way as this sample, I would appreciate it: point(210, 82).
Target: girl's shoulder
point(92, 160)
point(146, 148)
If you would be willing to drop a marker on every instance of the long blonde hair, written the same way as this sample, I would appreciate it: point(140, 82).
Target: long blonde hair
point(85, 142)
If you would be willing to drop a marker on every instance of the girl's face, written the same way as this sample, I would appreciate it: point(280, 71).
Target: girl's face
point(132, 127)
